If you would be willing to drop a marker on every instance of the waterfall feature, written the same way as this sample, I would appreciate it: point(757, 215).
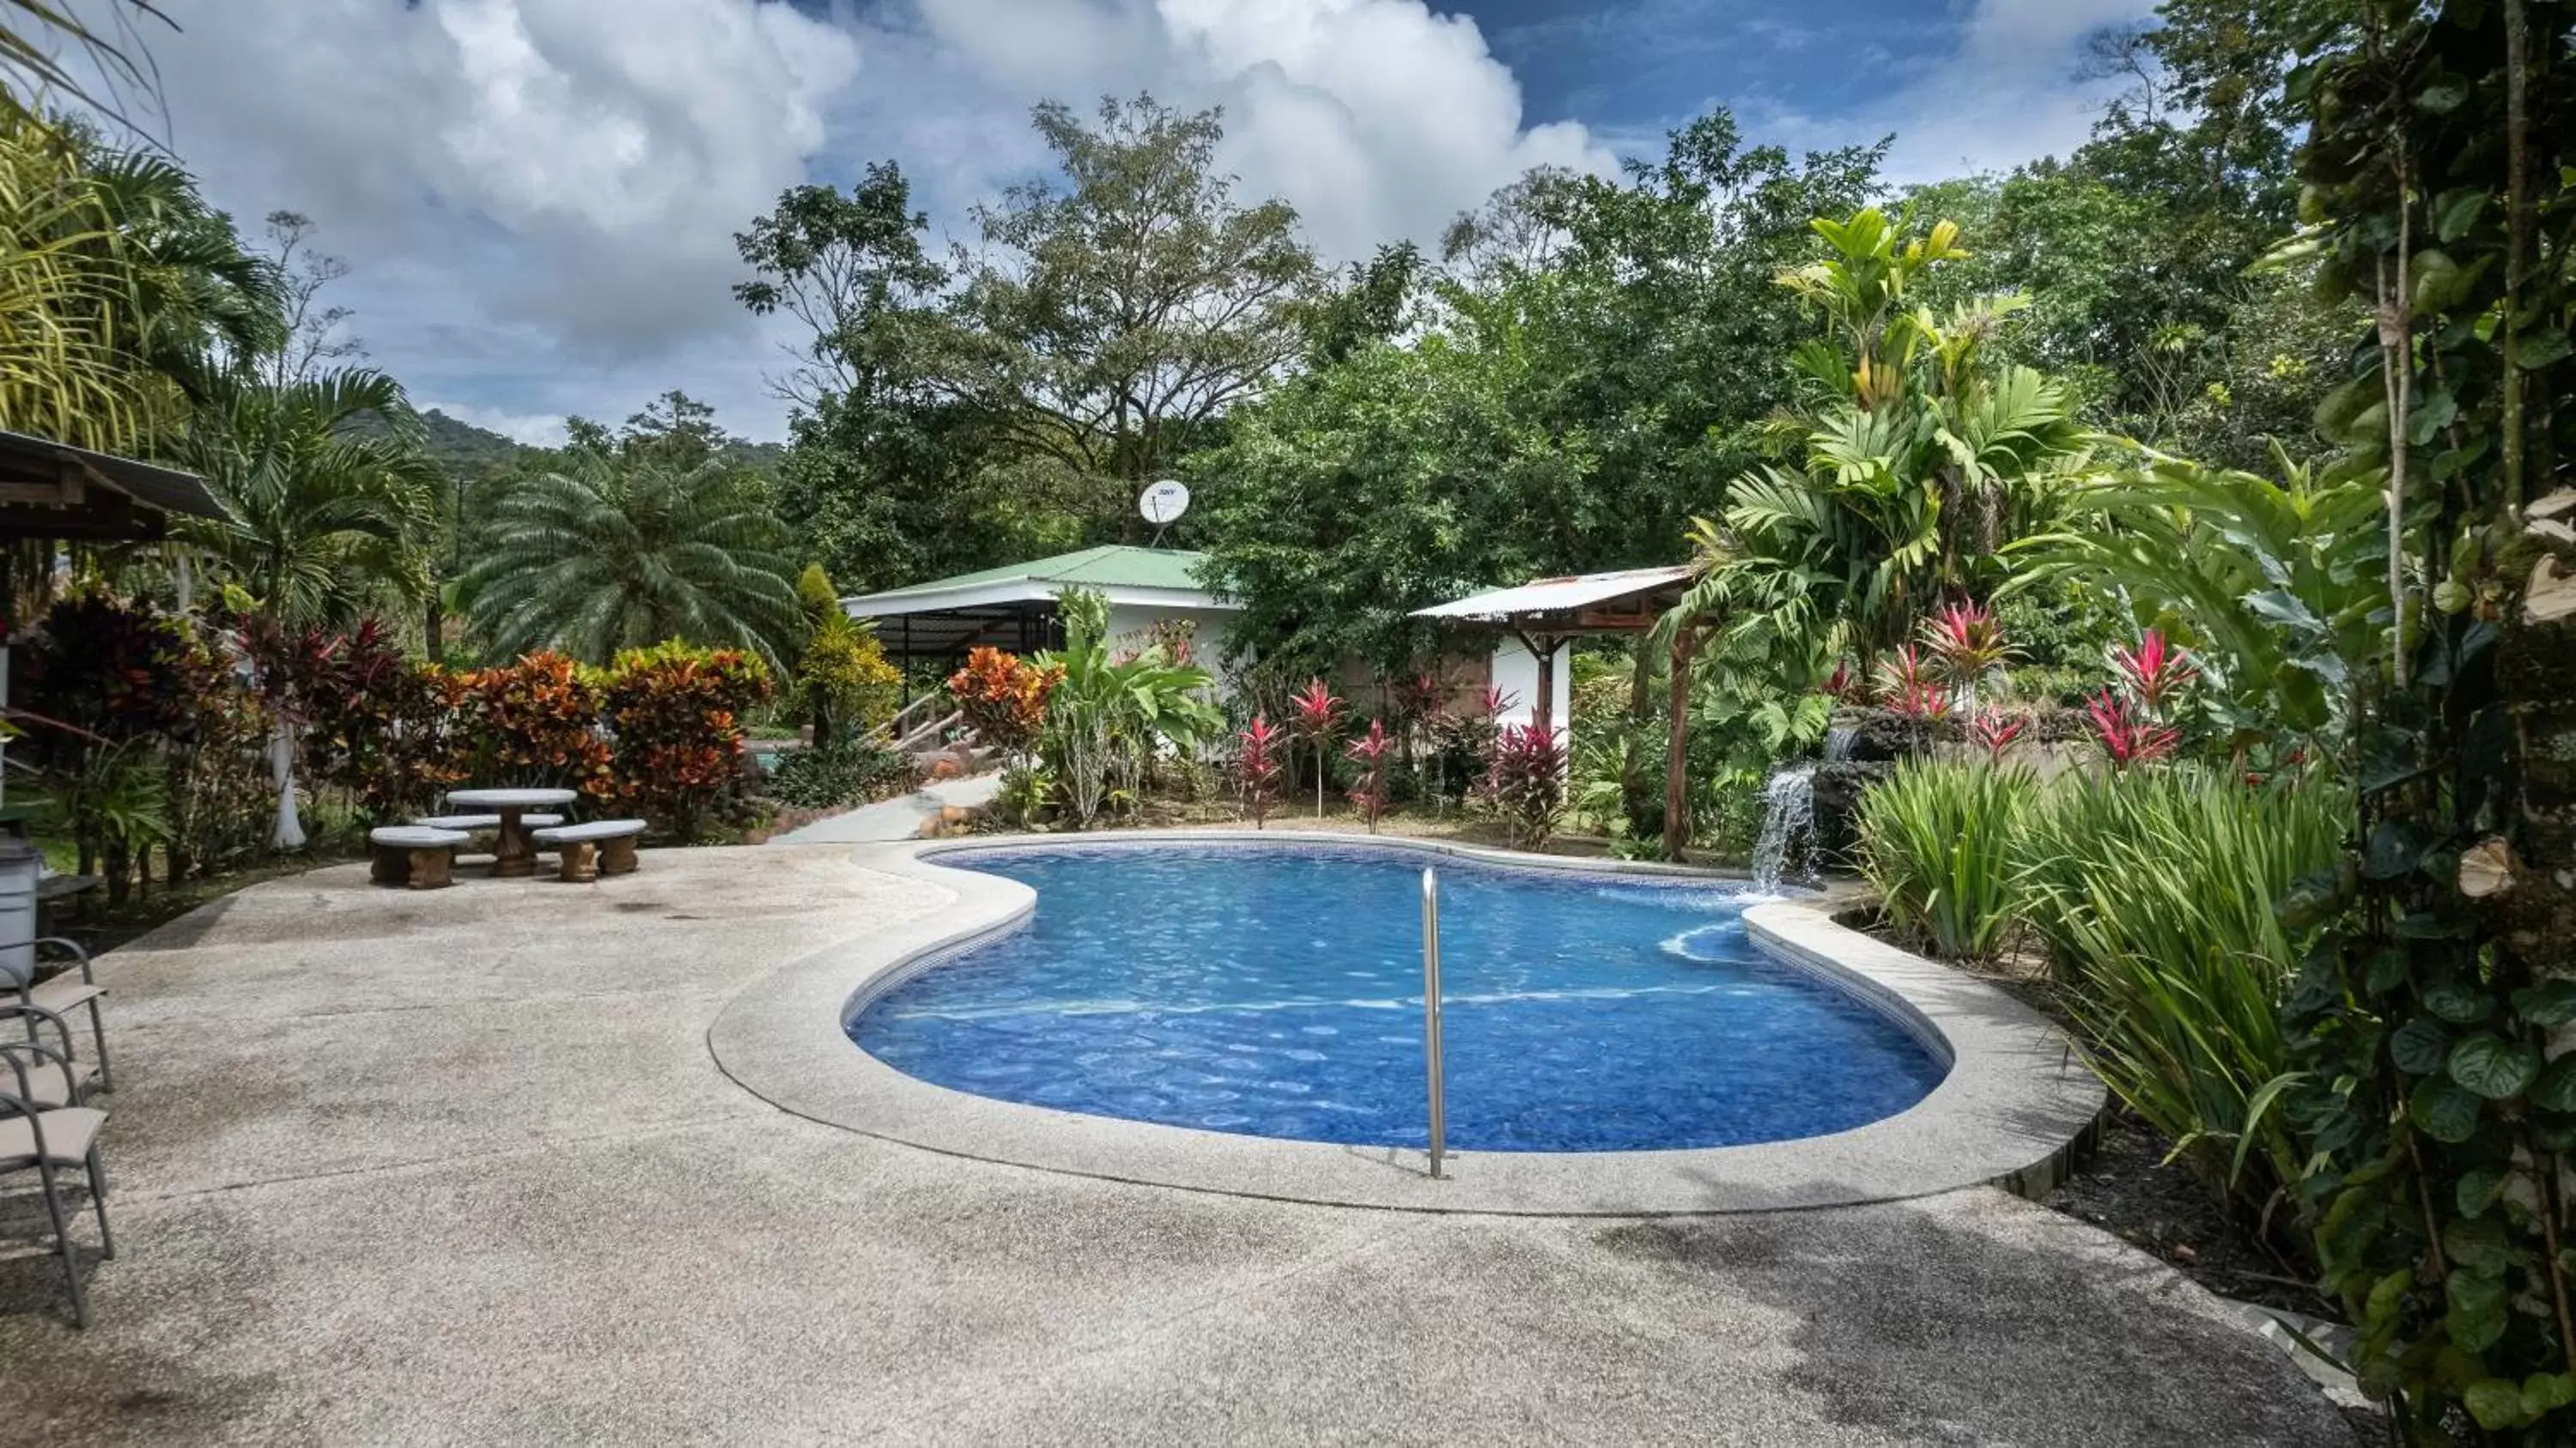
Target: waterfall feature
point(1788, 827)
point(1786, 851)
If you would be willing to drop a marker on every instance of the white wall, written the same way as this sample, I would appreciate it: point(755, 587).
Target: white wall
point(1207, 646)
point(1516, 673)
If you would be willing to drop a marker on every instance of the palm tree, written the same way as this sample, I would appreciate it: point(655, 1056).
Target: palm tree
point(615, 552)
point(330, 495)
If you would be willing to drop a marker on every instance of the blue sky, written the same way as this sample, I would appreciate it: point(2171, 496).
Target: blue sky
point(537, 197)
point(1639, 67)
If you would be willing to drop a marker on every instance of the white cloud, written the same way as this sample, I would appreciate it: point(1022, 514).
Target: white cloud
point(1377, 119)
point(539, 196)
point(2005, 93)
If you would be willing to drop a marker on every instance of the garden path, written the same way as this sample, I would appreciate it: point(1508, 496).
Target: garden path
point(899, 818)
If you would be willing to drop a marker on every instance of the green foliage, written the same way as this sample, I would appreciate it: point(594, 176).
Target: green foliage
point(2153, 892)
point(625, 546)
point(2273, 586)
point(1934, 838)
point(845, 772)
point(2427, 1027)
point(1919, 461)
point(323, 517)
point(1598, 363)
point(1108, 718)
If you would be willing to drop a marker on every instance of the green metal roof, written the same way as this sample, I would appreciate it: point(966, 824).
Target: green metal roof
point(1112, 565)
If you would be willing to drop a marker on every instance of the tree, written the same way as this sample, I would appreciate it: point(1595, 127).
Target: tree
point(313, 336)
point(1919, 460)
point(1602, 378)
point(323, 517)
point(849, 268)
point(123, 296)
point(627, 546)
point(1105, 325)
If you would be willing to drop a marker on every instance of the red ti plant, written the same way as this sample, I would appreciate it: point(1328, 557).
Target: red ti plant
point(1525, 783)
point(1845, 684)
point(1966, 642)
point(1369, 752)
point(1911, 689)
point(1260, 769)
point(2155, 671)
point(1319, 718)
point(1994, 731)
point(2127, 737)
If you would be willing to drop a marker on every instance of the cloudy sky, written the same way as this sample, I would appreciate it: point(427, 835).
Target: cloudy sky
point(537, 197)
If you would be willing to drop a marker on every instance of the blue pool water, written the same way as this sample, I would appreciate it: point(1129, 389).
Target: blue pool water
point(1277, 991)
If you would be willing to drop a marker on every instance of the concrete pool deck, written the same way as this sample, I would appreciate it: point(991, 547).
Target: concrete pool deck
point(456, 1166)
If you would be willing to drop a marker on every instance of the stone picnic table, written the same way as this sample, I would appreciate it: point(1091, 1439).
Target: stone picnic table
point(516, 854)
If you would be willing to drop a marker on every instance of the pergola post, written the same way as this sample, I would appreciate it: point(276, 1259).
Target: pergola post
point(1543, 708)
point(1677, 745)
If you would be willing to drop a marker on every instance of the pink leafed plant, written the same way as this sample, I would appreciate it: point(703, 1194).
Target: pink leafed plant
point(2155, 671)
point(1846, 684)
point(1259, 768)
point(1525, 783)
point(1908, 686)
point(1966, 642)
point(1994, 731)
point(1319, 718)
point(1369, 752)
point(2127, 737)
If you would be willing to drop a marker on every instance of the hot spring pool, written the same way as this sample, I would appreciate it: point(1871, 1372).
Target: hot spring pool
point(1277, 991)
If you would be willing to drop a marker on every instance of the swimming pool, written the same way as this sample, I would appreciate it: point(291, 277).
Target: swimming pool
point(1275, 990)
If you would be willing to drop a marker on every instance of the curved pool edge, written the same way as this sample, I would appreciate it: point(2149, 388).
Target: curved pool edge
point(2015, 1101)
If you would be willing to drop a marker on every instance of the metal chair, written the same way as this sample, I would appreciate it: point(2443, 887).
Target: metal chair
point(55, 998)
point(54, 1141)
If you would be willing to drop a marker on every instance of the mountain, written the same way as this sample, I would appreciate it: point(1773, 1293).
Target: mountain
point(466, 452)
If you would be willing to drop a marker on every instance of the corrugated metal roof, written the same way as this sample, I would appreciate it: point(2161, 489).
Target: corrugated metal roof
point(166, 489)
point(1557, 595)
point(1110, 566)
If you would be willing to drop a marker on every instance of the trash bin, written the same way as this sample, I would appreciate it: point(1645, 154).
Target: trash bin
point(18, 861)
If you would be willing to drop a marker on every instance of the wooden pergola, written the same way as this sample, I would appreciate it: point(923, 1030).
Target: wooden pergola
point(1547, 613)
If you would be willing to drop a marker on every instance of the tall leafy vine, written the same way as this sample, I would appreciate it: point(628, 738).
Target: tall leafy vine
point(2437, 1092)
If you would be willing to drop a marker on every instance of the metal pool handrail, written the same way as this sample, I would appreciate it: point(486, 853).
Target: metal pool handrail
point(1431, 1016)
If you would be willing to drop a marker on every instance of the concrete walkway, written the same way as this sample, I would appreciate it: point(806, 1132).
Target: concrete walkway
point(455, 1167)
point(899, 818)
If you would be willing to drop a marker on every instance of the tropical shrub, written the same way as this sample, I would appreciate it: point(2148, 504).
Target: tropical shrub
point(845, 678)
point(1257, 769)
point(97, 687)
point(1003, 697)
point(1316, 716)
point(845, 772)
point(2153, 892)
point(1108, 718)
point(676, 714)
point(1524, 783)
point(104, 669)
point(1933, 840)
point(536, 723)
point(1369, 751)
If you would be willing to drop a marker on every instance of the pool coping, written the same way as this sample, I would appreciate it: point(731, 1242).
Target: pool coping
point(2014, 1103)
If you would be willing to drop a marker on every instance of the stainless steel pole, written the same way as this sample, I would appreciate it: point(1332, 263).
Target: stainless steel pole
point(1431, 1017)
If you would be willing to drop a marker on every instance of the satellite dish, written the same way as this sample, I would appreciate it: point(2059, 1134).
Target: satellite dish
point(1163, 503)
